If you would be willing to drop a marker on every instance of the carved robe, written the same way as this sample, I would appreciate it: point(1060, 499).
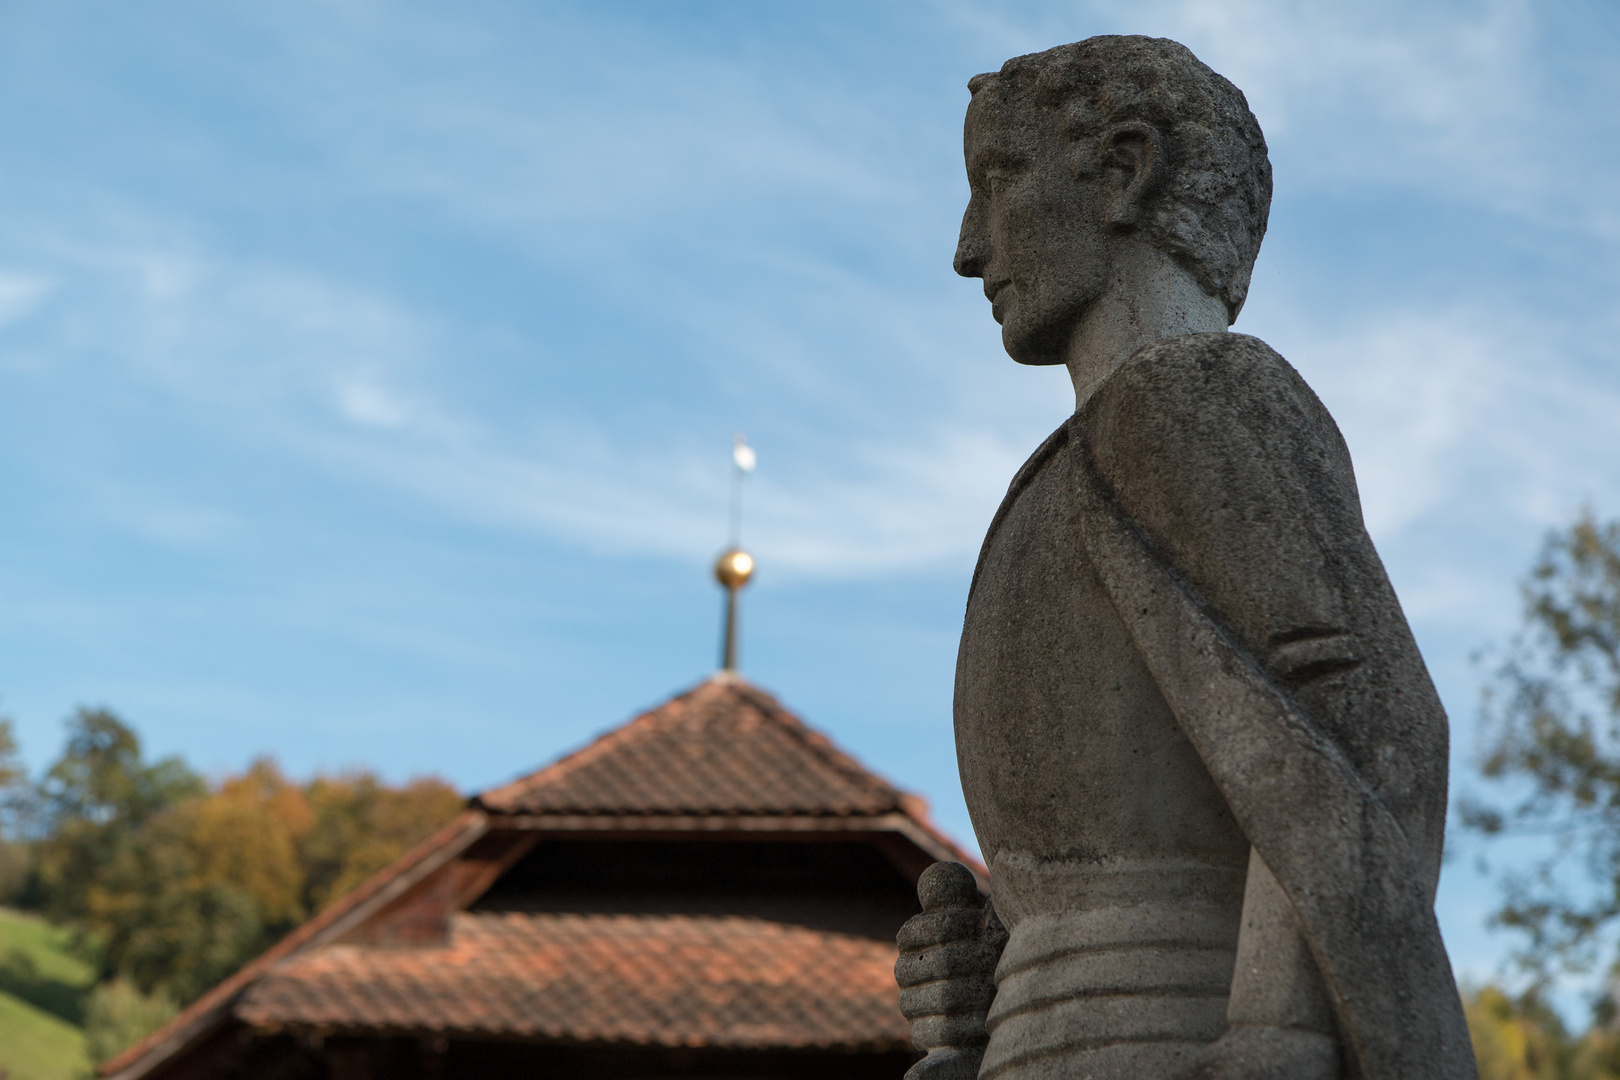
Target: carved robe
point(1201, 751)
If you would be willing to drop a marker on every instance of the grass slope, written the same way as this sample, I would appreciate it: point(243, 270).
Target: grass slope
point(34, 1045)
point(42, 988)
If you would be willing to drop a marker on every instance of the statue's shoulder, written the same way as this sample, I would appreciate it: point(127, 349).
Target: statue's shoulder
point(1200, 373)
point(1208, 416)
point(1206, 386)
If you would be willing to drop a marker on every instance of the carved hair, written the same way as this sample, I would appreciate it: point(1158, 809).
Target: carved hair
point(1210, 215)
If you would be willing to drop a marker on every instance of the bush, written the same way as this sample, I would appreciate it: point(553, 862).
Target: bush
point(117, 1014)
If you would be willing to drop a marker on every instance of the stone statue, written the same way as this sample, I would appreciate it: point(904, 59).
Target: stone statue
point(1203, 757)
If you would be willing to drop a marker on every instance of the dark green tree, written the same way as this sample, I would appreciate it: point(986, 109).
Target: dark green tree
point(92, 800)
point(166, 925)
point(16, 800)
point(13, 777)
point(1551, 750)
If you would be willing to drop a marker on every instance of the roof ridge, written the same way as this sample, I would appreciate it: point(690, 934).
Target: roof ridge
point(789, 767)
point(594, 749)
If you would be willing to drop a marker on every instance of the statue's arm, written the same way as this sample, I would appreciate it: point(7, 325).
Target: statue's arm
point(1225, 520)
point(1235, 473)
point(1238, 479)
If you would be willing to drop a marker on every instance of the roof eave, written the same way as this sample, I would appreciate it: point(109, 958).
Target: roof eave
point(921, 832)
point(208, 1012)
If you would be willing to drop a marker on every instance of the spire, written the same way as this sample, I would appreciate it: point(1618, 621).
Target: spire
point(735, 566)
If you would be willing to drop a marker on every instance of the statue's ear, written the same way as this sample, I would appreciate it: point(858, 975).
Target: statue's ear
point(1135, 164)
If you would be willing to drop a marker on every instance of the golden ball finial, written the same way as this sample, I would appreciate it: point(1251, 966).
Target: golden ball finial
point(734, 568)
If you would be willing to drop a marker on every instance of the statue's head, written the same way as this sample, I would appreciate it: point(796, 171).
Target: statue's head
point(1076, 153)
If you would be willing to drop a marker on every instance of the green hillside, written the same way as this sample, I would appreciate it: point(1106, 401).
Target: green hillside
point(42, 988)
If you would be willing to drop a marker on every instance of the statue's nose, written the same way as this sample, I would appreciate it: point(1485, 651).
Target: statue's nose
point(972, 247)
point(969, 261)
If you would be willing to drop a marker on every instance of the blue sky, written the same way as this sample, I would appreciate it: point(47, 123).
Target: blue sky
point(368, 370)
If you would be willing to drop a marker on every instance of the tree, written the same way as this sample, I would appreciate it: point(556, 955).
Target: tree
point(207, 883)
point(15, 802)
point(1552, 750)
point(247, 835)
point(177, 883)
point(204, 885)
point(96, 795)
point(362, 825)
point(100, 776)
point(1519, 1039)
point(14, 789)
point(1523, 1038)
point(1596, 1056)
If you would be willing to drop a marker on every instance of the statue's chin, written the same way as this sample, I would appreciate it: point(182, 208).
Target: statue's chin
point(1038, 347)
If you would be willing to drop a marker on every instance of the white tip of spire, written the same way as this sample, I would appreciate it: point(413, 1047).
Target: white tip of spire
point(742, 455)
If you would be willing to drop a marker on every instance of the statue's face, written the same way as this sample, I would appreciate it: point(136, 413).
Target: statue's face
point(1034, 230)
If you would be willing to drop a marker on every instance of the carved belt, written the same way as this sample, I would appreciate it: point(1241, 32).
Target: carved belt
point(1112, 968)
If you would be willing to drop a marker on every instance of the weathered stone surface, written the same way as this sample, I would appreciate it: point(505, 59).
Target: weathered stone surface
point(1203, 756)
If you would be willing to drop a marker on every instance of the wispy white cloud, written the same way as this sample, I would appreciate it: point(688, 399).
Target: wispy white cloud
point(1411, 391)
point(1439, 407)
point(21, 294)
point(1456, 100)
point(1468, 428)
point(1446, 100)
point(352, 377)
point(352, 382)
point(543, 136)
point(363, 400)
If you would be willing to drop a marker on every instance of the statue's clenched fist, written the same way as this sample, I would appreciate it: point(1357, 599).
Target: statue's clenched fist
point(946, 972)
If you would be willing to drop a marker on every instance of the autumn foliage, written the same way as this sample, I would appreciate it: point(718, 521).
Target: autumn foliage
point(178, 881)
point(1522, 1038)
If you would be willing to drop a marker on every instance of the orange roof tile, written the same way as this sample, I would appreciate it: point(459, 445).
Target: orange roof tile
point(663, 979)
point(725, 747)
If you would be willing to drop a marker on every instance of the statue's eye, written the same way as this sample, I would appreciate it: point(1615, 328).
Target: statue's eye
point(997, 182)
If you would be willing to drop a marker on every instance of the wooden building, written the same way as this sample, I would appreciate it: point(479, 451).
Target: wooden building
point(711, 890)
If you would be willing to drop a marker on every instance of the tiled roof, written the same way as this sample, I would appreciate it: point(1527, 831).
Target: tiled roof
point(663, 979)
point(724, 748)
point(715, 977)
